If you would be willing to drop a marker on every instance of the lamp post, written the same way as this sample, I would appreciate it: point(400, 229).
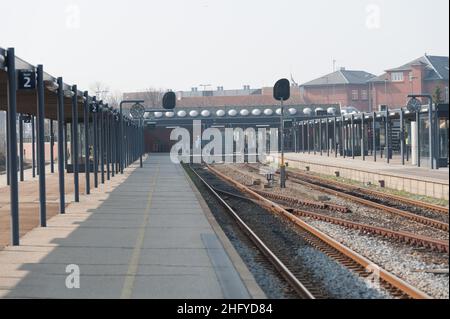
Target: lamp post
point(415, 105)
point(121, 119)
point(282, 92)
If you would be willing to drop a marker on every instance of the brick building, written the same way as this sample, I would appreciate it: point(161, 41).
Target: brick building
point(345, 87)
point(423, 75)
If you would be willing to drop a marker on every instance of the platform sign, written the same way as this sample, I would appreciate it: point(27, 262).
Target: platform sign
point(137, 111)
point(414, 105)
point(26, 80)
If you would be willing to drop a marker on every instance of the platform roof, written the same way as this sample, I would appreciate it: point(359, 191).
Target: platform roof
point(27, 100)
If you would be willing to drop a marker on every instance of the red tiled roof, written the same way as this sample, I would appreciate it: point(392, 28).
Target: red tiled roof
point(238, 101)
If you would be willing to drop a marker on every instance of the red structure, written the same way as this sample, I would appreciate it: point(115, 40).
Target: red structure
point(344, 87)
point(423, 75)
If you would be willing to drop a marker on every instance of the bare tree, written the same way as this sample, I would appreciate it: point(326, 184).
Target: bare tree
point(101, 90)
point(114, 98)
point(153, 97)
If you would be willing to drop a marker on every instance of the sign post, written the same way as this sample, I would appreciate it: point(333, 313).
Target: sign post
point(282, 92)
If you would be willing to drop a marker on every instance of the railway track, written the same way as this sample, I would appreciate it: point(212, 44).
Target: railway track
point(331, 188)
point(388, 199)
point(408, 238)
point(335, 250)
point(293, 279)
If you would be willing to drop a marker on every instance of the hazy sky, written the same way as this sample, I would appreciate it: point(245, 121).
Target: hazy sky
point(177, 44)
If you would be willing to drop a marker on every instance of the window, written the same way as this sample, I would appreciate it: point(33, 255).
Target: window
point(355, 95)
point(397, 76)
point(364, 95)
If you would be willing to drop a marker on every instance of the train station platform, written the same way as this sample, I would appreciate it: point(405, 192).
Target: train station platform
point(147, 235)
point(407, 178)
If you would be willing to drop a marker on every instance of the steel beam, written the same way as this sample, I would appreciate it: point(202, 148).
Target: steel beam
point(52, 146)
point(61, 146)
point(33, 148)
point(75, 143)
point(12, 138)
point(21, 163)
point(41, 145)
point(87, 162)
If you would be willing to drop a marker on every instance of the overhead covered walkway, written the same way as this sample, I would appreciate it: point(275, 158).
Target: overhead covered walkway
point(148, 238)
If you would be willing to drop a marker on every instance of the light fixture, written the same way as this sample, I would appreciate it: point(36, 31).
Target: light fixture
point(331, 110)
point(51, 85)
point(256, 112)
point(244, 112)
point(220, 113)
point(206, 113)
point(268, 112)
point(232, 112)
point(68, 93)
point(182, 113)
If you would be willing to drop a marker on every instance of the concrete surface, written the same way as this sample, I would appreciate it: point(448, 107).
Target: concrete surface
point(415, 180)
point(147, 238)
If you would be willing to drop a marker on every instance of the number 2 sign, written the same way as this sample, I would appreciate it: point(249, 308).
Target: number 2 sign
point(26, 80)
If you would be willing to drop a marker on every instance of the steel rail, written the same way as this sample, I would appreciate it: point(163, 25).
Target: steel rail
point(386, 276)
point(278, 264)
point(370, 192)
point(417, 218)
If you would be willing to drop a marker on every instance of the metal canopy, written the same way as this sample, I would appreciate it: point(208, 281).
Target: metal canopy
point(27, 100)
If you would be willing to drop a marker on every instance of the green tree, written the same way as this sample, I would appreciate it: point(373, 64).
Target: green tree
point(437, 95)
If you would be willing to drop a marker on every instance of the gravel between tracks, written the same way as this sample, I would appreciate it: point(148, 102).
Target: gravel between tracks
point(402, 261)
point(359, 213)
point(326, 275)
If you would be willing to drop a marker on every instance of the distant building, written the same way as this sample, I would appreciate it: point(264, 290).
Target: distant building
point(245, 97)
point(423, 75)
point(345, 87)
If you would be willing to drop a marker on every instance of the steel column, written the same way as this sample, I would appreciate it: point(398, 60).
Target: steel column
point(418, 138)
point(87, 162)
point(12, 138)
point(108, 145)
point(327, 138)
point(374, 136)
point(61, 147)
point(52, 145)
point(8, 150)
point(308, 137)
point(335, 137)
point(33, 149)
point(363, 142)
point(430, 134)
point(402, 135)
point(102, 147)
point(75, 143)
point(352, 132)
point(320, 137)
point(41, 145)
point(95, 151)
point(388, 157)
point(21, 164)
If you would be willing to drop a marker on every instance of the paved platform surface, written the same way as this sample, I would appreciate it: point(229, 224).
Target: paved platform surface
point(148, 238)
point(29, 200)
point(381, 166)
point(422, 181)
